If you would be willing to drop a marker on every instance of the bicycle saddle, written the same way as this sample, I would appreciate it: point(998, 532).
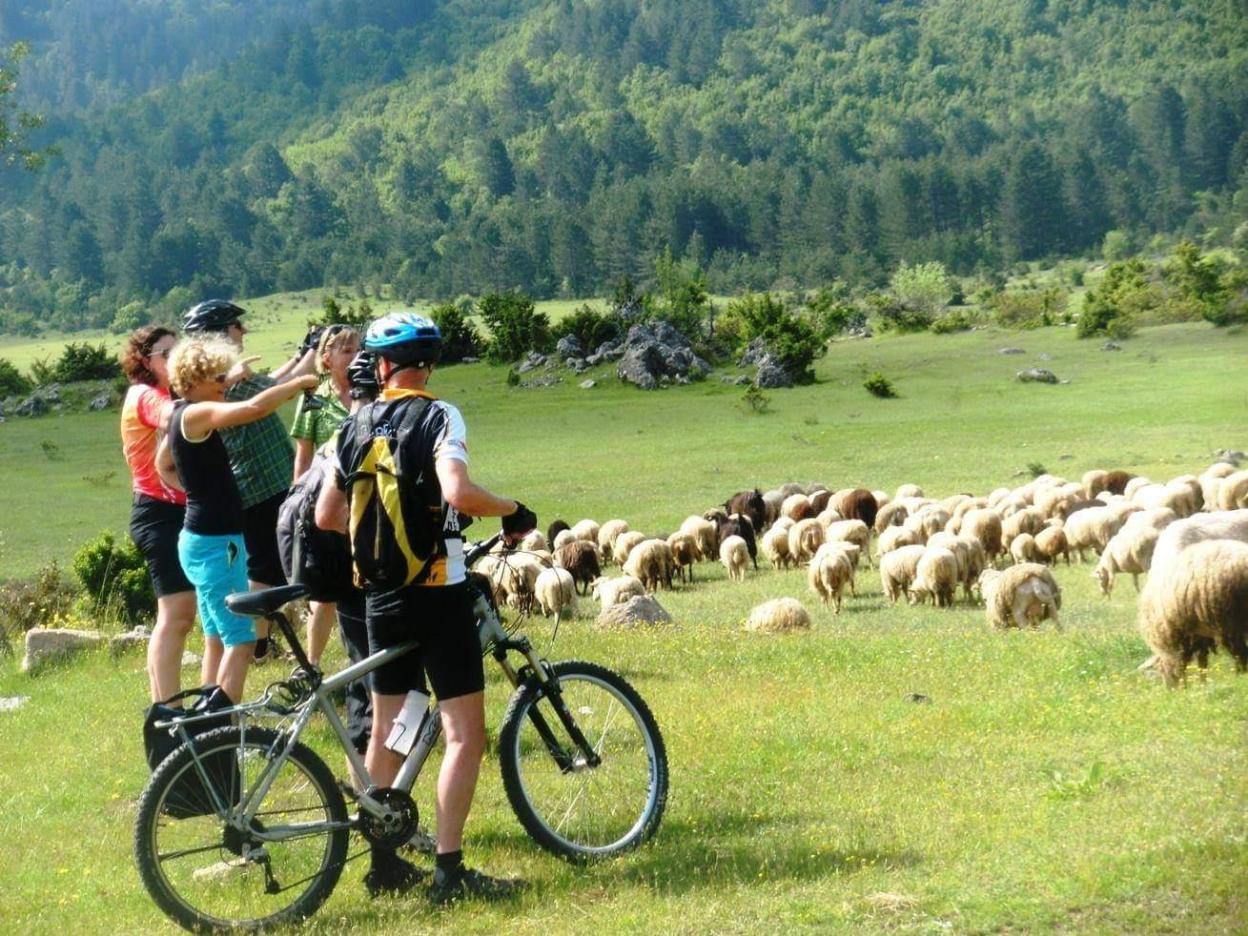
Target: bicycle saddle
point(265, 602)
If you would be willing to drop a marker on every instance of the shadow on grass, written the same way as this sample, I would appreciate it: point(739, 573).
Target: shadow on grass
point(736, 849)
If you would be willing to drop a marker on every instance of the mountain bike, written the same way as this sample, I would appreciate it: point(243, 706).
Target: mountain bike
point(246, 827)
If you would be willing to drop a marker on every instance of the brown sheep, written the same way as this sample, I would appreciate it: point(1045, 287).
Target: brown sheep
point(859, 504)
point(1116, 481)
point(581, 559)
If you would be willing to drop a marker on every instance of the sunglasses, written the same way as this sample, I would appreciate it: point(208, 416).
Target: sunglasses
point(220, 378)
point(163, 353)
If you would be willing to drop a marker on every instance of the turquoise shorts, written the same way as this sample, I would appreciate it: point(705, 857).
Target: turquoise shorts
point(217, 566)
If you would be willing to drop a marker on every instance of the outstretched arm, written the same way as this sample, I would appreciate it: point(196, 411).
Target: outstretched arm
point(468, 497)
point(199, 419)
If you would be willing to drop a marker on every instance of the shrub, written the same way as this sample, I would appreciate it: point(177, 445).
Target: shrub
point(332, 313)
point(1114, 307)
point(515, 327)
point(78, 362)
point(1116, 246)
point(924, 287)
point(1027, 308)
point(588, 326)
point(115, 579)
point(831, 312)
point(460, 338)
point(897, 316)
point(880, 386)
point(34, 603)
point(753, 400)
point(12, 381)
point(952, 322)
point(791, 340)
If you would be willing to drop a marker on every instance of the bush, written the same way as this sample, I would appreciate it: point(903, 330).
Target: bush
point(1027, 308)
point(753, 400)
point(460, 338)
point(924, 287)
point(588, 326)
point(791, 340)
point(115, 579)
point(896, 316)
point(12, 381)
point(78, 362)
point(952, 322)
point(515, 327)
point(1115, 306)
point(831, 312)
point(1117, 246)
point(332, 313)
point(35, 603)
point(880, 386)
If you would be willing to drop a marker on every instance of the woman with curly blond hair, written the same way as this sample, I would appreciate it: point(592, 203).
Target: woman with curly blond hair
point(158, 510)
point(211, 545)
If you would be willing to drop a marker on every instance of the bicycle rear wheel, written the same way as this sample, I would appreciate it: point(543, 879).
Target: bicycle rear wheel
point(572, 808)
point(208, 875)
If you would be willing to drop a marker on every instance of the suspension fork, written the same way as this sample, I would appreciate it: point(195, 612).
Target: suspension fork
point(539, 672)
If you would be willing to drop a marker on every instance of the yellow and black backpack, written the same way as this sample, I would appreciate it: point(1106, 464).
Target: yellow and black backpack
point(395, 508)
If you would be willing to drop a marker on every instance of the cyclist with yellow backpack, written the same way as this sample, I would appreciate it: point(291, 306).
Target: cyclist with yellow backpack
point(403, 494)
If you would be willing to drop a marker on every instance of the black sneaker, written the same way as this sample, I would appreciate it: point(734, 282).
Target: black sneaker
point(395, 876)
point(461, 882)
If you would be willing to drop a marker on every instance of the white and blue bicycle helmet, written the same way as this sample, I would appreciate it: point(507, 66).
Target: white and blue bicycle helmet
point(405, 339)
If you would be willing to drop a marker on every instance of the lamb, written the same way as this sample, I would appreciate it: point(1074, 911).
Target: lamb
point(1092, 528)
point(851, 531)
point(936, 576)
point(1200, 603)
point(984, 524)
point(894, 537)
point(830, 571)
point(581, 559)
point(735, 557)
point(1023, 548)
point(740, 525)
point(625, 542)
point(1020, 596)
point(703, 533)
point(805, 537)
point(1182, 534)
point(555, 590)
point(685, 553)
point(1051, 543)
point(607, 534)
point(651, 563)
point(775, 547)
point(1131, 550)
point(778, 616)
point(897, 570)
point(613, 591)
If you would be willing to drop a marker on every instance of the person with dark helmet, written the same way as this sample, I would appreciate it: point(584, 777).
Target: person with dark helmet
point(261, 455)
point(436, 607)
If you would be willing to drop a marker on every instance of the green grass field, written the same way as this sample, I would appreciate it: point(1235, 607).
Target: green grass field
point(1047, 786)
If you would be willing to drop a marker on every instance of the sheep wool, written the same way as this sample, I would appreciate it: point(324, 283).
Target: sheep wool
point(555, 591)
point(935, 577)
point(831, 570)
point(1131, 550)
point(897, 570)
point(618, 590)
point(607, 534)
point(1020, 596)
point(778, 616)
point(735, 557)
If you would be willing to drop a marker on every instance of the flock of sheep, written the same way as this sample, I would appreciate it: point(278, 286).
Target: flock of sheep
point(1190, 534)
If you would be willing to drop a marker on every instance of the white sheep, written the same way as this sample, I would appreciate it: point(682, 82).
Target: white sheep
point(775, 546)
point(1023, 548)
point(562, 538)
point(704, 532)
point(618, 590)
point(894, 537)
point(891, 514)
point(1092, 528)
point(984, 524)
point(897, 570)
point(1130, 550)
point(607, 534)
point(1200, 602)
point(805, 537)
point(851, 531)
point(1233, 491)
point(935, 577)
point(778, 616)
point(1020, 596)
point(1028, 520)
point(650, 562)
point(908, 490)
point(555, 590)
point(796, 507)
point(624, 543)
point(534, 541)
point(586, 530)
point(735, 556)
point(831, 569)
point(1178, 536)
point(1051, 543)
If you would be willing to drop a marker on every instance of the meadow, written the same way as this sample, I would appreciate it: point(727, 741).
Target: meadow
point(1044, 784)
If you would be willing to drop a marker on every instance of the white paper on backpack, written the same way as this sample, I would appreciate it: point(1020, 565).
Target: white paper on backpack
point(407, 726)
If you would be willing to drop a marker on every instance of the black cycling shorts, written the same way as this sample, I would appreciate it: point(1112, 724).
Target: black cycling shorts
point(264, 559)
point(354, 634)
point(154, 527)
point(442, 620)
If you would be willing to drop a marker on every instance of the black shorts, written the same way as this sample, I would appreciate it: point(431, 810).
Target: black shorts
point(154, 527)
point(442, 620)
point(354, 634)
point(264, 560)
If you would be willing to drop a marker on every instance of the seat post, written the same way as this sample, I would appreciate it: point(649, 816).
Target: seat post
point(283, 624)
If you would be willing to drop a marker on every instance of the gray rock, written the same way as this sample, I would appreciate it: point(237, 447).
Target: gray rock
point(570, 346)
point(533, 361)
point(1011, 351)
point(130, 640)
point(102, 402)
point(1037, 375)
point(587, 384)
point(32, 406)
point(753, 354)
point(638, 611)
point(469, 359)
point(771, 375)
point(658, 353)
point(12, 703)
point(46, 644)
point(546, 380)
point(1044, 357)
point(1111, 346)
point(739, 381)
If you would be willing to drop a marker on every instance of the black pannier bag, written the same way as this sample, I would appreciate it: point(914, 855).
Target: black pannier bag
point(189, 797)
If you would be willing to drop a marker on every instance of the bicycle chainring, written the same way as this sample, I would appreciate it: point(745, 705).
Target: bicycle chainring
point(395, 831)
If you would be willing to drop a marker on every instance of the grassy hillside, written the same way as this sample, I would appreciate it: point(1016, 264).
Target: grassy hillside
point(1046, 786)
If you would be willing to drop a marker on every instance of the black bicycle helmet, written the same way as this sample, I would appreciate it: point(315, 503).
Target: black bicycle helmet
point(362, 372)
point(405, 339)
point(214, 315)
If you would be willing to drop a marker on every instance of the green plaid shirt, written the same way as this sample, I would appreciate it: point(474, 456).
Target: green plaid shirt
point(261, 455)
point(319, 425)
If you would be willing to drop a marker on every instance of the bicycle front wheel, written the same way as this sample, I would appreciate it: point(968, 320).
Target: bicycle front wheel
point(211, 875)
point(569, 805)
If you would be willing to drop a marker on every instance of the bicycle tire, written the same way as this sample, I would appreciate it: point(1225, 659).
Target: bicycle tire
point(586, 812)
point(218, 890)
